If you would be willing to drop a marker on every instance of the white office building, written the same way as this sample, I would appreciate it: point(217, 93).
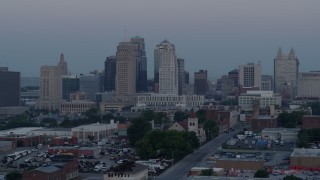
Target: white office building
point(265, 98)
point(309, 85)
point(168, 68)
point(250, 75)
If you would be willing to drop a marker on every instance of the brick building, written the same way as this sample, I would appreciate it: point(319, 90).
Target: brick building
point(224, 118)
point(55, 171)
point(310, 121)
point(261, 122)
point(307, 159)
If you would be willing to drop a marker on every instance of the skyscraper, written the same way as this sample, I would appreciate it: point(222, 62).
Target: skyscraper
point(127, 53)
point(181, 78)
point(51, 85)
point(250, 75)
point(70, 84)
point(286, 68)
point(110, 73)
point(141, 70)
point(166, 59)
point(200, 82)
point(91, 84)
point(9, 88)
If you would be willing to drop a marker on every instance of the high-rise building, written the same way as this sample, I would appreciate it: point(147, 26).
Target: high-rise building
point(166, 59)
point(286, 68)
point(141, 69)
point(266, 83)
point(9, 88)
point(227, 87)
point(70, 84)
point(200, 82)
point(127, 53)
point(181, 78)
point(234, 74)
point(51, 85)
point(91, 84)
point(110, 73)
point(250, 75)
point(309, 84)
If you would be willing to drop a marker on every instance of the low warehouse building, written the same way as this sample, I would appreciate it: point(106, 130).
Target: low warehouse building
point(308, 159)
point(240, 164)
point(283, 134)
point(7, 146)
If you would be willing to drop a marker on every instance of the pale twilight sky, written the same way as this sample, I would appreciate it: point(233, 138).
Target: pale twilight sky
point(208, 34)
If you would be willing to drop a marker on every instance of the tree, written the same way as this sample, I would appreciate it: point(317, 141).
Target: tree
point(160, 118)
point(92, 114)
point(202, 115)
point(261, 173)
point(180, 116)
point(292, 177)
point(148, 114)
point(206, 172)
point(107, 117)
point(14, 175)
point(211, 129)
point(49, 122)
point(138, 129)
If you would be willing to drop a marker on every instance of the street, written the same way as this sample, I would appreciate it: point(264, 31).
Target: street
point(181, 169)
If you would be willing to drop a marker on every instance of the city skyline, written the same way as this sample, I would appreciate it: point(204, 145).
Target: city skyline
point(34, 33)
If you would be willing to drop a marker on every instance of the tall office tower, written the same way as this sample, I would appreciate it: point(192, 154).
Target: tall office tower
point(70, 84)
point(227, 87)
point(200, 82)
point(51, 85)
point(181, 79)
point(110, 73)
point(9, 88)
point(309, 85)
point(286, 68)
point(141, 74)
point(250, 75)
point(63, 65)
point(127, 53)
point(165, 54)
point(234, 74)
point(91, 84)
point(186, 77)
point(266, 83)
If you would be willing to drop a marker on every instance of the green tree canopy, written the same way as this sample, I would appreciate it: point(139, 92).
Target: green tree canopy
point(202, 115)
point(14, 175)
point(180, 116)
point(261, 173)
point(148, 114)
point(161, 118)
point(138, 129)
point(166, 144)
point(211, 128)
point(206, 172)
point(292, 177)
point(291, 120)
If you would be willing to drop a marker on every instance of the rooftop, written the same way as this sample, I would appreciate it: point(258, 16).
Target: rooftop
point(19, 131)
point(292, 130)
point(5, 143)
point(302, 152)
point(48, 169)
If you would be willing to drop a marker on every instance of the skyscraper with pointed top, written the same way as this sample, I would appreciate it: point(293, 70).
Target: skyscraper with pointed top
point(63, 65)
point(51, 85)
point(286, 68)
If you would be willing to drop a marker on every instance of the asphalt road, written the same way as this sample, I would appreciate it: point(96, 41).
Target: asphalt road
point(181, 169)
